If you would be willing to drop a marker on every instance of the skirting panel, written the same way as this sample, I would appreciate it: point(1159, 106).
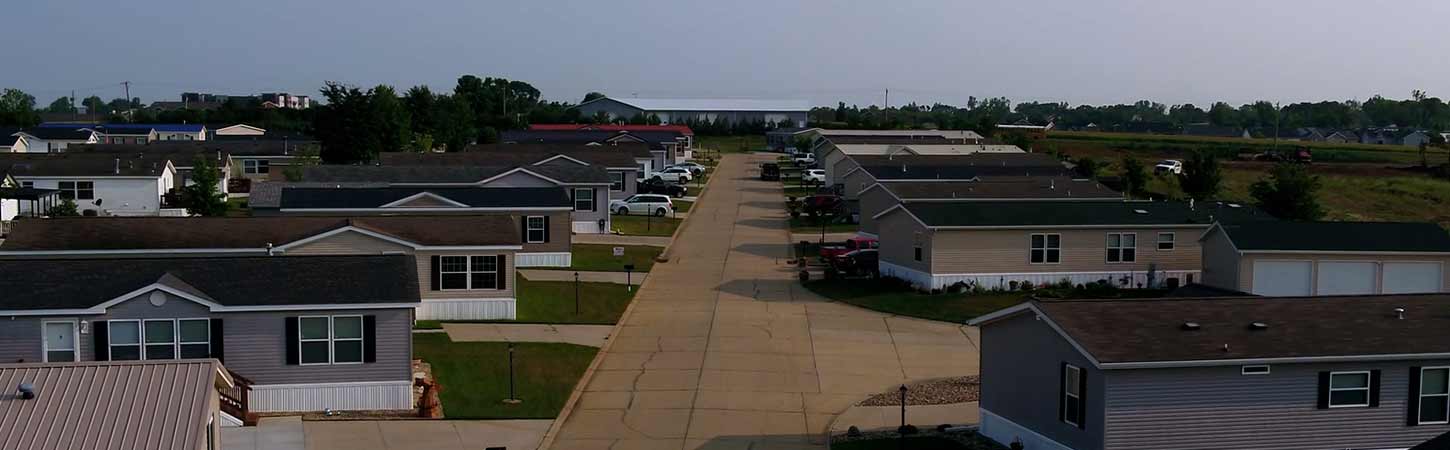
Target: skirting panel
point(336, 396)
point(589, 227)
point(468, 309)
point(1130, 279)
point(553, 259)
point(1005, 432)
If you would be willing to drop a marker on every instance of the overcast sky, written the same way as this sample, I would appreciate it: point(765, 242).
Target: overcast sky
point(923, 50)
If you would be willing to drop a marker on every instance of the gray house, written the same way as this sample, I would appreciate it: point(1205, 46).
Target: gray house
point(681, 110)
point(1365, 372)
point(302, 333)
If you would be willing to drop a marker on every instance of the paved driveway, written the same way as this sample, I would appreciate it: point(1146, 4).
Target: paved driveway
point(291, 433)
point(723, 349)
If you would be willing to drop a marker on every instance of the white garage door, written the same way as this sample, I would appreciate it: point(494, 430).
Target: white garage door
point(1281, 278)
point(1413, 277)
point(1345, 278)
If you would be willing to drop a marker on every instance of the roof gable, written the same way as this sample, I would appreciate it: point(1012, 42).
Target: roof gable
point(424, 200)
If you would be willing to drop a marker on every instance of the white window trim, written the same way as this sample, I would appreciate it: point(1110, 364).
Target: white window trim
point(1120, 248)
point(75, 189)
point(300, 340)
point(254, 166)
point(175, 350)
point(111, 340)
point(333, 340)
point(74, 341)
point(619, 177)
point(1244, 370)
point(593, 205)
point(1368, 383)
point(179, 343)
point(468, 272)
point(529, 229)
point(1159, 244)
point(1067, 392)
point(1044, 248)
point(1420, 395)
point(472, 271)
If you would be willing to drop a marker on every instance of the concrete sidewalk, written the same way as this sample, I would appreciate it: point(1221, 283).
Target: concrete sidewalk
point(636, 278)
point(875, 418)
point(612, 239)
point(590, 335)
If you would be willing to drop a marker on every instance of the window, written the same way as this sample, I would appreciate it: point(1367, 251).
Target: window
point(194, 338)
point(78, 190)
point(583, 199)
point(27, 184)
point(255, 166)
point(616, 182)
point(468, 272)
point(1167, 241)
point(125, 339)
point(916, 252)
point(1348, 389)
point(1122, 247)
point(347, 340)
point(1434, 395)
point(330, 340)
point(1254, 370)
point(160, 339)
point(535, 230)
point(313, 339)
point(639, 171)
point(1046, 249)
point(1071, 394)
point(60, 341)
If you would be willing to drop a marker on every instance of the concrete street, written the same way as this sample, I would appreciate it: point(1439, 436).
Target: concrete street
point(723, 349)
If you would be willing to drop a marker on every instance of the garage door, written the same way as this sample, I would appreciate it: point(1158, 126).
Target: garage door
point(1345, 278)
point(1413, 277)
point(1281, 278)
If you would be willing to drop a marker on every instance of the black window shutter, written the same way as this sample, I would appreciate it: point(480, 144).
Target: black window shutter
point(1414, 416)
point(291, 341)
point(1082, 398)
point(433, 274)
point(1323, 390)
point(100, 341)
point(218, 347)
point(524, 229)
point(370, 338)
point(502, 271)
point(1374, 388)
point(1062, 392)
point(594, 204)
point(546, 228)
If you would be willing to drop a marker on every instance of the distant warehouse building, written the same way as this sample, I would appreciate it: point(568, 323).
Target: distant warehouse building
point(679, 110)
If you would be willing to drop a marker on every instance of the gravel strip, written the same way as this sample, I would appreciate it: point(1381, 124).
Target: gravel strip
point(935, 392)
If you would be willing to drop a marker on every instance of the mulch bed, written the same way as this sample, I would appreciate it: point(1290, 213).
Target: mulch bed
point(935, 392)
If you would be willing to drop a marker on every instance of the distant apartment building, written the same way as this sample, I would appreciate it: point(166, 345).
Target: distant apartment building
point(678, 110)
point(285, 100)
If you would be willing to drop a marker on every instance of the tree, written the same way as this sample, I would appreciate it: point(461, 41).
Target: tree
point(1135, 178)
point(348, 125)
point(61, 106)
point(202, 197)
point(1288, 193)
point(395, 125)
point(422, 107)
point(18, 108)
point(422, 143)
point(592, 96)
point(1088, 168)
point(66, 208)
point(455, 127)
point(94, 105)
point(1201, 177)
point(306, 156)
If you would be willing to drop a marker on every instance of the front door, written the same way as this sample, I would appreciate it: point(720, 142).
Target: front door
point(60, 341)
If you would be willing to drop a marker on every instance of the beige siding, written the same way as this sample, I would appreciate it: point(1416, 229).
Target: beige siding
point(837, 173)
point(560, 232)
point(425, 276)
point(348, 243)
point(1220, 262)
point(1006, 251)
point(855, 182)
point(1246, 265)
point(873, 203)
point(828, 162)
point(899, 234)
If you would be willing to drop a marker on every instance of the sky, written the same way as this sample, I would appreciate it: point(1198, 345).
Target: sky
point(927, 51)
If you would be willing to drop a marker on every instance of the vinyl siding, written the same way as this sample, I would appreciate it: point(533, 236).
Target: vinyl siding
point(1211, 408)
point(425, 276)
point(897, 236)
point(828, 161)
point(1246, 265)
point(348, 243)
point(839, 168)
point(1220, 262)
point(1007, 251)
point(1021, 360)
point(872, 203)
point(559, 229)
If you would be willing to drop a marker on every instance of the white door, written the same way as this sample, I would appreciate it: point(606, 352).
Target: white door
point(1413, 277)
point(60, 341)
point(1281, 278)
point(1345, 278)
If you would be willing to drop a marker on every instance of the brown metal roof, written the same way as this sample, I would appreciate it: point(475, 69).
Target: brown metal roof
point(132, 233)
point(108, 405)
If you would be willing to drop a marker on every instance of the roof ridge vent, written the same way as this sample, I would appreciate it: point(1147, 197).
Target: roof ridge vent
point(25, 391)
point(1191, 326)
point(1400, 313)
point(1258, 326)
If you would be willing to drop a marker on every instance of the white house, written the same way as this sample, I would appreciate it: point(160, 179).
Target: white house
point(147, 133)
point(240, 129)
point(100, 184)
point(50, 139)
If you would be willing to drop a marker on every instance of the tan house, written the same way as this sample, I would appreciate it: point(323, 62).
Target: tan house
point(883, 195)
point(465, 264)
point(991, 244)
point(1327, 258)
point(861, 171)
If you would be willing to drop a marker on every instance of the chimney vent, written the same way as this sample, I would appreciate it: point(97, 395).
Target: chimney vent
point(1400, 313)
point(26, 391)
point(118, 166)
point(1191, 326)
point(269, 249)
point(1258, 326)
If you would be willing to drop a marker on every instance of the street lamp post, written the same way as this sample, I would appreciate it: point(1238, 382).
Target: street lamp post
point(628, 282)
point(576, 293)
point(903, 407)
point(513, 396)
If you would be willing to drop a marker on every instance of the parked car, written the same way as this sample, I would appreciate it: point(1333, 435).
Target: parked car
point(817, 176)
point(823, 203)
point(804, 159)
point(769, 172)
point(859, 263)
point(853, 244)
point(1169, 166)
point(694, 167)
point(673, 174)
point(657, 186)
point(659, 205)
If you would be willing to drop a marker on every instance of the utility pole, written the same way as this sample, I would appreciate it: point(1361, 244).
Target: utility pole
point(126, 89)
point(887, 108)
point(74, 113)
point(1277, 114)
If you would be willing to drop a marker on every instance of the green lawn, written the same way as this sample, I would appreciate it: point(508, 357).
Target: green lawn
point(600, 258)
point(645, 225)
point(427, 325)
point(918, 443)
point(553, 302)
point(805, 224)
point(474, 376)
point(956, 308)
point(683, 205)
point(731, 144)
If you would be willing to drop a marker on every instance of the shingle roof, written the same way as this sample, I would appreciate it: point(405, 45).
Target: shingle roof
point(574, 174)
point(653, 138)
point(1041, 160)
point(228, 281)
point(610, 127)
point(1151, 330)
point(143, 128)
point(237, 148)
point(134, 233)
point(608, 155)
point(1073, 213)
point(179, 153)
point(131, 404)
point(714, 104)
point(8, 137)
point(961, 167)
point(952, 134)
point(1339, 236)
point(474, 197)
point(81, 164)
point(59, 133)
point(1004, 188)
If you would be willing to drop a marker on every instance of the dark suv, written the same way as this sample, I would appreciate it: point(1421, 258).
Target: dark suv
point(658, 186)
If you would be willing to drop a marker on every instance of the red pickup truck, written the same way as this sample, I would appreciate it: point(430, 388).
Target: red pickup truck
point(852, 244)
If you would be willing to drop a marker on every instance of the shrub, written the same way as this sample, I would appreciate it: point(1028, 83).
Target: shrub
point(1027, 285)
point(1012, 285)
point(907, 430)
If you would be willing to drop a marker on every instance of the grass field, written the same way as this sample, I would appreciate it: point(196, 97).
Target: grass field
point(644, 225)
point(683, 205)
point(600, 258)
point(956, 308)
point(804, 224)
point(731, 144)
point(553, 302)
point(474, 376)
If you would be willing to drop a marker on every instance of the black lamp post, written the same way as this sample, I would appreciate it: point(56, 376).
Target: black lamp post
point(628, 282)
point(513, 397)
point(903, 407)
point(576, 293)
